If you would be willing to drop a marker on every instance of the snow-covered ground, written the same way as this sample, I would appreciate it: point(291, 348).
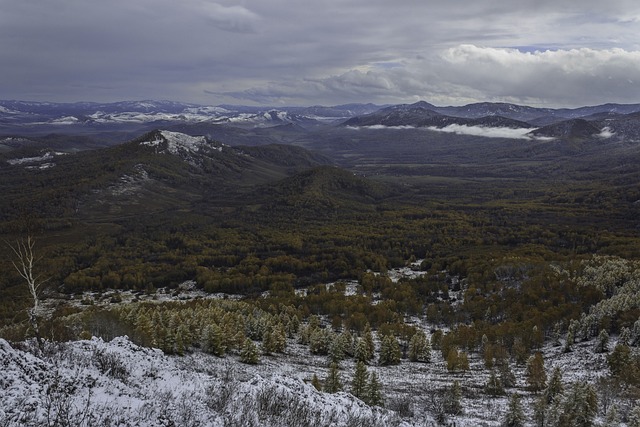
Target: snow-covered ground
point(118, 383)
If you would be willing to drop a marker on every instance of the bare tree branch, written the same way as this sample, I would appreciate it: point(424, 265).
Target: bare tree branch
point(24, 265)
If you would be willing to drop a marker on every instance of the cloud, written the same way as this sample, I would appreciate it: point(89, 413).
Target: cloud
point(489, 132)
point(293, 52)
point(237, 19)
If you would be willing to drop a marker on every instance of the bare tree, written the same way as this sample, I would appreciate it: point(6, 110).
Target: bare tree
point(24, 265)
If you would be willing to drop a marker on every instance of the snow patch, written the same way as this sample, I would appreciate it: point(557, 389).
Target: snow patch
point(605, 133)
point(49, 155)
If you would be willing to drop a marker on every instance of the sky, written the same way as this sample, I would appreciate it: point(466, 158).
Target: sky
point(544, 53)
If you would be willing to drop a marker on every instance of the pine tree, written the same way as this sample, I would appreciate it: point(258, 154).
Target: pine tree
point(507, 377)
point(494, 386)
point(367, 335)
point(579, 407)
point(361, 352)
point(457, 360)
point(337, 349)
point(419, 348)
point(602, 343)
point(333, 383)
point(514, 416)
point(634, 417)
point(453, 399)
point(249, 353)
point(625, 336)
point(557, 333)
point(554, 388)
point(536, 376)
point(389, 351)
point(359, 383)
point(374, 391)
point(569, 342)
point(635, 334)
point(315, 382)
point(212, 340)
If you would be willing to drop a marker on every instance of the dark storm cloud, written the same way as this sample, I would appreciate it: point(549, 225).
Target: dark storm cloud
point(330, 52)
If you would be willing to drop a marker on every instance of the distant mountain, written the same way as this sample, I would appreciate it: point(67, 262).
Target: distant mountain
point(158, 171)
point(569, 129)
point(103, 119)
point(423, 114)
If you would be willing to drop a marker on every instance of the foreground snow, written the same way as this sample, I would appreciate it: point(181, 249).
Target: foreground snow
point(121, 384)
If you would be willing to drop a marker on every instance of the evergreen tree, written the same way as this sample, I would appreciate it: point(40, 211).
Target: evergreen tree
point(315, 382)
point(625, 336)
point(453, 399)
point(249, 353)
point(367, 335)
point(333, 383)
point(361, 352)
point(389, 351)
point(569, 342)
point(602, 342)
point(619, 360)
point(359, 383)
point(554, 388)
point(536, 376)
point(507, 377)
point(494, 386)
point(514, 416)
point(320, 341)
point(457, 360)
point(556, 334)
point(338, 348)
point(419, 347)
point(634, 417)
point(212, 340)
point(374, 391)
point(579, 407)
point(635, 334)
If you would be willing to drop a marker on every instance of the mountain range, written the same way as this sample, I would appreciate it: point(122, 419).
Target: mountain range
point(110, 121)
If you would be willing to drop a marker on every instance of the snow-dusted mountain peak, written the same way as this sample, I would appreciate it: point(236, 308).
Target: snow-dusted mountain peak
point(176, 142)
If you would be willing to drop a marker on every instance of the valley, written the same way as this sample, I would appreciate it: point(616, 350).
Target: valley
point(520, 226)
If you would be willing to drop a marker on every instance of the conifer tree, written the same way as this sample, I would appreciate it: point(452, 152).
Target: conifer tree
point(389, 351)
point(507, 377)
point(374, 391)
point(556, 334)
point(419, 348)
point(315, 382)
point(634, 417)
point(602, 342)
point(579, 406)
point(212, 340)
point(453, 399)
point(361, 353)
point(359, 383)
point(367, 335)
point(569, 342)
point(494, 386)
point(625, 336)
point(333, 383)
point(249, 353)
point(514, 416)
point(554, 388)
point(536, 375)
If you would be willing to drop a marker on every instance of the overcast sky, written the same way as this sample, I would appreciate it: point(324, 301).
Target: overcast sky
point(553, 53)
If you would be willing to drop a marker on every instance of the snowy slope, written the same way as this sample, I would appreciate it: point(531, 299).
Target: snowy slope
point(118, 383)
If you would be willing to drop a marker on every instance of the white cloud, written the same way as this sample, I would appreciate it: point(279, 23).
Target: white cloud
point(231, 18)
point(489, 132)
